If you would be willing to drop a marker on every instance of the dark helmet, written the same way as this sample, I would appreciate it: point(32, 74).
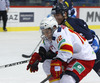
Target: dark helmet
point(60, 8)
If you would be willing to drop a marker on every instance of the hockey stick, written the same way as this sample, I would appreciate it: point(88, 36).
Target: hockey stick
point(13, 64)
point(28, 56)
point(47, 78)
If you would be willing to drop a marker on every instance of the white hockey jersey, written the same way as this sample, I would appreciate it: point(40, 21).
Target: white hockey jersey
point(69, 44)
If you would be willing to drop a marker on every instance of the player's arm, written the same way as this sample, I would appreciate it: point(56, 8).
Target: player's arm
point(65, 52)
point(41, 56)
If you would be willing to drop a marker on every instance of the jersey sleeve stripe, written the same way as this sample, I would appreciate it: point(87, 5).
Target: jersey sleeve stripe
point(67, 48)
point(66, 51)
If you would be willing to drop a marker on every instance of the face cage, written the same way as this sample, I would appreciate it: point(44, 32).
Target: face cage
point(44, 37)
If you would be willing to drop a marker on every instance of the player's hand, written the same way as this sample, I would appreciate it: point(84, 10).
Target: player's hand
point(56, 68)
point(33, 63)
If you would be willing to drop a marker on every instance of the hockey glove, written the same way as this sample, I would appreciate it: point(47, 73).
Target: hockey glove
point(56, 68)
point(33, 63)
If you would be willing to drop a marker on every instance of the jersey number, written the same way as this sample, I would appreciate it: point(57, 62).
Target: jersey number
point(80, 37)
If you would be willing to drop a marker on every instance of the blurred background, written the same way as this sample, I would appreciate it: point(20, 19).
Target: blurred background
point(26, 15)
point(50, 2)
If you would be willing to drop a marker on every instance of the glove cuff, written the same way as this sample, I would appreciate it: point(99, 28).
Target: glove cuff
point(36, 55)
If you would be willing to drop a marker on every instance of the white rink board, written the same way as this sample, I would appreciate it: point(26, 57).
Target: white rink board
point(12, 46)
point(90, 15)
point(15, 15)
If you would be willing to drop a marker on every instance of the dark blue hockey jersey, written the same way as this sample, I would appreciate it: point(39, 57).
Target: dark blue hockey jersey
point(79, 26)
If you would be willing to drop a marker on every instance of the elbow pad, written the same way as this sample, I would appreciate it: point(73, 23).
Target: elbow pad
point(42, 53)
point(46, 55)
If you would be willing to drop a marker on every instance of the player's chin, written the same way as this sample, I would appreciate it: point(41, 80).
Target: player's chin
point(50, 39)
point(59, 22)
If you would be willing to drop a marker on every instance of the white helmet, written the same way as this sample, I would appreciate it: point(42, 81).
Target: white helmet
point(48, 22)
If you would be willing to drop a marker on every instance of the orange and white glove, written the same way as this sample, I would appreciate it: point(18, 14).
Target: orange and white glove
point(33, 63)
point(56, 68)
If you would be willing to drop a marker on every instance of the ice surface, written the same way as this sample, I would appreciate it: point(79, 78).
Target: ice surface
point(12, 46)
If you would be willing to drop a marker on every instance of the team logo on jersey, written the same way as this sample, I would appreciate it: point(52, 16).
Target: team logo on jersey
point(63, 40)
point(59, 39)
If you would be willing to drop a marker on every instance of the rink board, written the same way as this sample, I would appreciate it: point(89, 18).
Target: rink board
point(21, 20)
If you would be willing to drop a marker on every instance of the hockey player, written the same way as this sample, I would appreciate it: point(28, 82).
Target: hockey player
point(69, 3)
point(64, 53)
point(60, 12)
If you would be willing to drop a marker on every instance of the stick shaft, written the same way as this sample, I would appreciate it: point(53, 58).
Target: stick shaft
point(47, 78)
point(14, 64)
point(28, 56)
point(36, 47)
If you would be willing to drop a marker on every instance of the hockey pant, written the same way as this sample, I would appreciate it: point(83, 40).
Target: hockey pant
point(75, 71)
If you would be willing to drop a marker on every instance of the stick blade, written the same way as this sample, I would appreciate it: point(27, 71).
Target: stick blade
point(26, 56)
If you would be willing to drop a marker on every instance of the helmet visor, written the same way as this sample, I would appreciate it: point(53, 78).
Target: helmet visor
point(46, 34)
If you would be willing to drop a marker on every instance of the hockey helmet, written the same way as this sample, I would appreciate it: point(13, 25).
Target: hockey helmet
point(47, 24)
point(60, 8)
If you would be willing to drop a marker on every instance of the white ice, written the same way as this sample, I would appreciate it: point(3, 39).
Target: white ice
point(12, 46)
